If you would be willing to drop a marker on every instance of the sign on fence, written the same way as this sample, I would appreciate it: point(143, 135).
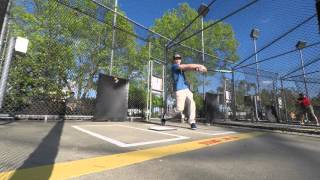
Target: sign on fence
point(156, 83)
point(21, 45)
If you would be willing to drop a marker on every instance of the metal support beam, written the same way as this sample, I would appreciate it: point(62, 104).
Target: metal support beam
point(304, 73)
point(284, 101)
point(234, 110)
point(5, 71)
point(203, 60)
point(148, 115)
point(4, 25)
point(113, 36)
point(257, 70)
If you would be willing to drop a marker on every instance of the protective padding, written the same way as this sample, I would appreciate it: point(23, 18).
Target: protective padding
point(112, 99)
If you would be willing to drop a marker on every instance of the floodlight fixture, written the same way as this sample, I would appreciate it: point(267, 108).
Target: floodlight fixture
point(301, 44)
point(255, 33)
point(203, 10)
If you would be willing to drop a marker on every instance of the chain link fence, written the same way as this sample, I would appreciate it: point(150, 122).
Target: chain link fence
point(71, 42)
point(288, 53)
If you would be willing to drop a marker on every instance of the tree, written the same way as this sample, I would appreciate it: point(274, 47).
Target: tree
point(66, 46)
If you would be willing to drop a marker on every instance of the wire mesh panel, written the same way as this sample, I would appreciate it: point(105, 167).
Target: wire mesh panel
point(291, 90)
point(262, 86)
point(70, 44)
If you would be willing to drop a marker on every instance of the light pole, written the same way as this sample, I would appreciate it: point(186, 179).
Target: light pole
point(113, 35)
point(5, 71)
point(254, 35)
point(300, 45)
point(203, 11)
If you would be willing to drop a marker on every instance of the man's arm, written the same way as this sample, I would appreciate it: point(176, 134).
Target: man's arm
point(192, 67)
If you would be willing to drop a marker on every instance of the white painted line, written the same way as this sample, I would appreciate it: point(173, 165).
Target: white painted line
point(161, 128)
point(121, 144)
point(118, 143)
point(155, 142)
point(154, 131)
point(215, 133)
point(140, 129)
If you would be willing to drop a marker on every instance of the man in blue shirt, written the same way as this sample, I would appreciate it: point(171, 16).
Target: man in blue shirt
point(181, 87)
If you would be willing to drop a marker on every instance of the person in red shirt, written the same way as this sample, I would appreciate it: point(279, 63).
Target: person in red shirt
point(306, 107)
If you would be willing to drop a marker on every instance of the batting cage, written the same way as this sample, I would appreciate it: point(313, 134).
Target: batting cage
point(255, 69)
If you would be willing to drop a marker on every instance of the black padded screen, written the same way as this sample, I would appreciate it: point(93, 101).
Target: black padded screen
point(212, 106)
point(112, 99)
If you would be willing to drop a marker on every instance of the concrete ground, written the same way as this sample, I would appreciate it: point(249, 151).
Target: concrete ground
point(129, 150)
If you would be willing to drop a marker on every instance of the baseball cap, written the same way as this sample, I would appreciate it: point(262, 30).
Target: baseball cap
point(176, 56)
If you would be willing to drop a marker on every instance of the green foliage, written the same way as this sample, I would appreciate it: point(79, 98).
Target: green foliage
point(198, 99)
point(68, 49)
point(157, 101)
point(137, 96)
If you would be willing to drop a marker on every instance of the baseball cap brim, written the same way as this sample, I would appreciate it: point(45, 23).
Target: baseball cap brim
point(176, 56)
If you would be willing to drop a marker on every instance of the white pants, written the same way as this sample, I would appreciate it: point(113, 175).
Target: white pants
point(186, 96)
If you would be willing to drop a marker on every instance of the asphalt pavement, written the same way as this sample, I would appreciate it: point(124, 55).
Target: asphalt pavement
point(130, 150)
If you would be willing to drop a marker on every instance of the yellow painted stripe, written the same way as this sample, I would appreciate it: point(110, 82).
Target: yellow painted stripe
point(93, 165)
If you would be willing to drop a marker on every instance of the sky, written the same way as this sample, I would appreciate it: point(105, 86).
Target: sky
point(146, 11)
point(272, 17)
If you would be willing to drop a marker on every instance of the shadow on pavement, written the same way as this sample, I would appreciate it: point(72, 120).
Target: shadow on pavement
point(44, 154)
point(2, 123)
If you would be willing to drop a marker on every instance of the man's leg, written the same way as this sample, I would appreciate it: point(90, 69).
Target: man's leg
point(311, 111)
point(180, 101)
point(192, 108)
point(301, 116)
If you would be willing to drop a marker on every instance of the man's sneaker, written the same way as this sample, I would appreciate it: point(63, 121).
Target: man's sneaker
point(163, 122)
point(193, 126)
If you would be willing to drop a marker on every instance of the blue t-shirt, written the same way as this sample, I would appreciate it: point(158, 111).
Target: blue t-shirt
point(179, 80)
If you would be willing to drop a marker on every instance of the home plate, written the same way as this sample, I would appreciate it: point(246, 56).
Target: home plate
point(162, 128)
